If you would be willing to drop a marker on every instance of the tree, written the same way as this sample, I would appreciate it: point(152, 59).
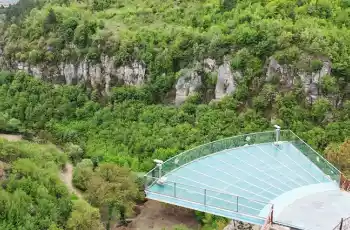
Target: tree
point(329, 85)
point(227, 5)
point(113, 188)
point(84, 217)
point(82, 174)
point(75, 152)
point(50, 21)
point(320, 108)
point(339, 155)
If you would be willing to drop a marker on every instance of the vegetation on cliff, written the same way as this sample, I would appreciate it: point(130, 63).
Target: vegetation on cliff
point(128, 130)
point(171, 35)
point(129, 127)
point(32, 195)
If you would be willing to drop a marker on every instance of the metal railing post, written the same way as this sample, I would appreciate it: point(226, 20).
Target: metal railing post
point(272, 210)
point(145, 181)
point(205, 197)
point(160, 171)
point(175, 189)
point(278, 131)
point(237, 202)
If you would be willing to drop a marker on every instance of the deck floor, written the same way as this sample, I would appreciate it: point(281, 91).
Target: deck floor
point(241, 183)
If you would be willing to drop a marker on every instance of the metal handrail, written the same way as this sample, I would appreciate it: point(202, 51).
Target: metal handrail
point(220, 208)
point(209, 143)
point(319, 155)
point(343, 225)
point(220, 140)
point(201, 151)
point(211, 190)
point(166, 163)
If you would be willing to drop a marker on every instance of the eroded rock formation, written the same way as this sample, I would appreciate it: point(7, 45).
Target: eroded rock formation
point(100, 75)
point(288, 75)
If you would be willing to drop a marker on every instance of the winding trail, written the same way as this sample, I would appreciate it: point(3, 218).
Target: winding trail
point(11, 137)
point(67, 177)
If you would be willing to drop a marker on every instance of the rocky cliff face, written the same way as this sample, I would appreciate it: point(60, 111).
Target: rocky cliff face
point(103, 74)
point(288, 75)
point(191, 81)
point(187, 85)
point(100, 75)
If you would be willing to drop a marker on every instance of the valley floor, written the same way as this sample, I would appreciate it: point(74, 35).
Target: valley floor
point(153, 215)
point(157, 216)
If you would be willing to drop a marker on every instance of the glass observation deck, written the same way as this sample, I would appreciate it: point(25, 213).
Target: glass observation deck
point(242, 177)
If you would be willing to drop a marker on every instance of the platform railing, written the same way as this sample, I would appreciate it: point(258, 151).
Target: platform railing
point(225, 201)
point(269, 220)
point(248, 139)
point(216, 146)
point(207, 197)
point(324, 165)
point(343, 225)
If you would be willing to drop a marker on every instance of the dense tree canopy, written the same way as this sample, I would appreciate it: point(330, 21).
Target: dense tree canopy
point(32, 196)
point(128, 128)
point(131, 132)
point(169, 36)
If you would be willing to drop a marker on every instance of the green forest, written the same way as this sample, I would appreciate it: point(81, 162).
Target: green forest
point(130, 131)
point(32, 195)
point(120, 133)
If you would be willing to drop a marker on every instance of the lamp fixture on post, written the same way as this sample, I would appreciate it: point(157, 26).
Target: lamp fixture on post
point(161, 180)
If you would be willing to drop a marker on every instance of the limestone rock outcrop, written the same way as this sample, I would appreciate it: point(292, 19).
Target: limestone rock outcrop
point(191, 81)
point(288, 75)
point(187, 85)
point(226, 81)
point(100, 75)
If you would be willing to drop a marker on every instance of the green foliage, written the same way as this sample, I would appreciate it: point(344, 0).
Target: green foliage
point(339, 155)
point(211, 221)
point(329, 85)
point(130, 131)
point(75, 152)
point(121, 94)
point(114, 189)
point(316, 65)
point(32, 196)
point(8, 124)
point(84, 217)
point(228, 5)
point(127, 128)
point(82, 174)
point(320, 108)
point(134, 30)
point(50, 21)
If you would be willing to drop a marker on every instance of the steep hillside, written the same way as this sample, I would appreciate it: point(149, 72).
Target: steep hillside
point(31, 193)
point(208, 46)
point(122, 82)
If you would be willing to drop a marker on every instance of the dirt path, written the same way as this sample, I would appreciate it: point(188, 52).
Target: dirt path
point(10, 137)
point(67, 177)
point(153, 215)
point(158, 216)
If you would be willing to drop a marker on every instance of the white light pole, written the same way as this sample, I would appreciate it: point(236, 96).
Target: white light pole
point(278, 129)
point(159, 164)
